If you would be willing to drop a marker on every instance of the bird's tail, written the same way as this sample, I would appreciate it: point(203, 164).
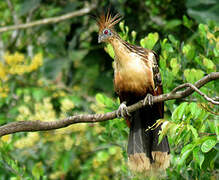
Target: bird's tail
point(144, 152)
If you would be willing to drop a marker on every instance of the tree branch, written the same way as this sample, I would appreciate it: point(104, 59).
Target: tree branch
point(80, 12)
point(27, 126)
point(197, 90)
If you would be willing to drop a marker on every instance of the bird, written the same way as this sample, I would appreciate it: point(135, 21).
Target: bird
point(137, 77)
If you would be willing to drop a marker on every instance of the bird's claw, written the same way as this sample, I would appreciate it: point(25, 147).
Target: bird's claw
point(149, 99)
point(123, 111)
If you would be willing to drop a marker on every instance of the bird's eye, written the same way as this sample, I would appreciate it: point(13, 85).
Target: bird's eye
point(106, 31)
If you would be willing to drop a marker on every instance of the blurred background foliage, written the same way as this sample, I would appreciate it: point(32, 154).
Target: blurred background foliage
point(52, 71)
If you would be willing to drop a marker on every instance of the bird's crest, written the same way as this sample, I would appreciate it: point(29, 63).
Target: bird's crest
point(107, 20)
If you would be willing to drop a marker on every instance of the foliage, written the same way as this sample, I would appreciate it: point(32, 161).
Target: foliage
point(53, 71)
point(193, 131)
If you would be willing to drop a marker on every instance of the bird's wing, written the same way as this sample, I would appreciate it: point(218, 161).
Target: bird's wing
point(150, 57)
point(158, 90)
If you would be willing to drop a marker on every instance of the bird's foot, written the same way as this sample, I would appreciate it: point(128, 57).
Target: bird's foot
point(149, 99)
point(122, 111)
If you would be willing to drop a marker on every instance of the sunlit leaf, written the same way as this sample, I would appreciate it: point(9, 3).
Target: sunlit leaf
point(179, 111)
point(184, 156)
point(208, 145)
point(149, 41)
point(198, 156)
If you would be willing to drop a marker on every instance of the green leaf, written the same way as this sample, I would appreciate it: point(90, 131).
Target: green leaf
point(189, 51)
point(165, 128)
point(202, 29)
point(197, 74)
point(39, 94)
point(198, 156)
point(102, 156)
point(193, 130)
point(173, 40)
point(37, 170)
point(209, 64)
point(172, 24)
point(174, 65)
point(186, 22)
point(122, 26)
point(186, 148)
point(208, 145)
point(112, 150)
point(193, 107)
point(216, 124)
point(100, 98)
point(109, 50)
point(210, 159)
point(184, 156)
point(179, 111)
point(149, 41)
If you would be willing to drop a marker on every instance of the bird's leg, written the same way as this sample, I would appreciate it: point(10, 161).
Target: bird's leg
point(122, 110)
point(149, 99)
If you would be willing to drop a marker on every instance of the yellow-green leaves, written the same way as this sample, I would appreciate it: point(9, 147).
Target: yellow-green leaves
point(183, 130)
point(198, 156)
point(210, 66)
point(186, 151)
point(187, 22)
point(125, 33)
point(193, 75)
point(38, 170)
point(122, 26)
point(208, 145)
point(202, 30)
point(109, 50)
point(174, 65)
point(150, 40)
point(188, 51)
point(179, 111)
point(104, 101)
point(133, 33)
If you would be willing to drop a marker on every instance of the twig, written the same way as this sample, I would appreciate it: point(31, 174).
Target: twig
point(11, 7)
point(208, 134)
point(197, 90)
point(15, 34)
point(206, 108)
point(80, 12)
point(27, 126)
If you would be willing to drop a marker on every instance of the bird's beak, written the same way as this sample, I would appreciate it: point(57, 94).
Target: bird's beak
point(100, 38)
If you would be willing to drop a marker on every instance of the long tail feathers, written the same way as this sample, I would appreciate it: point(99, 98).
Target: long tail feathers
point(144, 152)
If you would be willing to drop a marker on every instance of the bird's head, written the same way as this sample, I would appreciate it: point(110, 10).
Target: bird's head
point(106, 26)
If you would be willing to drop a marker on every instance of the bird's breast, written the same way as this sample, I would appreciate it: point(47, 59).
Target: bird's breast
point(132, 74)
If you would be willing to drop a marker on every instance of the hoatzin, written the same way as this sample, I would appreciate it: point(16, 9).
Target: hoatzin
point(137, 77)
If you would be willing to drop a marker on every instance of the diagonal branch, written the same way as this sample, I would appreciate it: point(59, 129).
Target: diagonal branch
point(80, 12)
point(27, 126)
point(197, 90)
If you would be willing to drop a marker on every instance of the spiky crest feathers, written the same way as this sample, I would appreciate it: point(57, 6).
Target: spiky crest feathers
point(107, 21)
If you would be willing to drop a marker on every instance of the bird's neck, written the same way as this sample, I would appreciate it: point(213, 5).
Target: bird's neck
point(120, 50)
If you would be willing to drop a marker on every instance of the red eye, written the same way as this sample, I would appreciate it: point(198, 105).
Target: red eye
point(106, 32)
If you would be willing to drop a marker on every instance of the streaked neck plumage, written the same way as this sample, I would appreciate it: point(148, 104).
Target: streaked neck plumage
point(120, 50)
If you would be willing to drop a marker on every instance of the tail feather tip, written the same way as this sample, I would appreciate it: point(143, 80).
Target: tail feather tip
point(162, 159)
point(139, 162)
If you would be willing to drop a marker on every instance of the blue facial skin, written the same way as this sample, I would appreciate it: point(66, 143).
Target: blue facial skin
point(104, 36)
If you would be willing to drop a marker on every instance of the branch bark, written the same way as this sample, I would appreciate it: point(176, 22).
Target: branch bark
point(80, 12)
point(29, 126)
